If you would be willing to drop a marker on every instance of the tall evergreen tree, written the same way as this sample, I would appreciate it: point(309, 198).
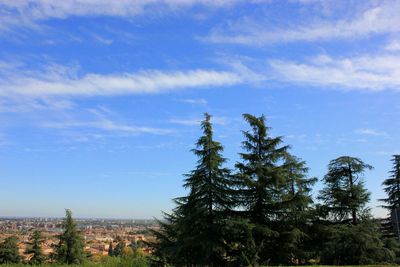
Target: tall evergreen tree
point(294, 222)
point(70, 247)
point(119, 249)
point(194, 234)
point(350, 236)
point(261, 176)
point(392, 189)
point(9, 251)
point(34, 248)
point(392, 185)
point(110, 250)
point(344, 194)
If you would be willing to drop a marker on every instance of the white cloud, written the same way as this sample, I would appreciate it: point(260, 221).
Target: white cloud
point(380, 19)
point(60, 83)
point(194, 101)
point(197, 121)
point(28, 12)
point(393, 46)
point(25, 105)
point(372, 132)
point(364, 72)
point(107, 125)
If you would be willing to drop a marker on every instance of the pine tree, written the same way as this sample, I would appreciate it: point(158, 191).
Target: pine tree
point(350, 236)
point(260, 181)
point(392, 186)
point(294, 222)
point(354, 244)
point(9, 251)
point(110, 250)
point(344, 194)
point(392, 189)
point(119, 249)
point(70, 247)
point(34, 248)
point(194, 233)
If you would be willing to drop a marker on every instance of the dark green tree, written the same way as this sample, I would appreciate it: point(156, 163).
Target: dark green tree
point(194, 234)
point(392, 201)
point(344, 194)
point(110, 250)
point(260, 179)
point(392, 186)
point(34, 248)
point(349, 236)
point(70, 247)
point(297, 213)
point(119, 248)
point(9, 251)
point(354, 244)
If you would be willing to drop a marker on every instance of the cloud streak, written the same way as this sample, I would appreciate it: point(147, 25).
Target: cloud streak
point(107, 125)
point(27, 13)
point(142, 82)
point(371, 132)
point(197, 121)
point(374, 73)
point(380, 19)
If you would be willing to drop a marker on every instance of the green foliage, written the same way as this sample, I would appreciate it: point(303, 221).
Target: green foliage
point(9, 251)
point(264, 214)
point(392, 185)
point(119, 248)
point(358, 244)
point(34, 248)
point(344, 195)
point(70, 247)
point(260, 179)
point(392, 189)
point(106, 261)
point(194, 233)
point(110, 250)
point(275, 193)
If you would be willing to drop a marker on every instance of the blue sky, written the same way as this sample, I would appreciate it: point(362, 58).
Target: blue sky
point(100, 101)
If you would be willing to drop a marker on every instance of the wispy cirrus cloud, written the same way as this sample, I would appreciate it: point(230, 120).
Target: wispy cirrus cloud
point(369, 72)
point(381, 18)
point(28, 13)
point(393, 46)
point(197, 121)
point(371, 132)
point(26, 104)
point(107, 125)
point(194, 101)
point(61, 81)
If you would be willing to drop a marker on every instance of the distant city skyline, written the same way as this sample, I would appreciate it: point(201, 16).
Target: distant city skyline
point(100, 101)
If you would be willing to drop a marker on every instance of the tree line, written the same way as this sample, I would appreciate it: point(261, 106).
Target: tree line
point(263, 213)
point(260, 213)
point(69, 249)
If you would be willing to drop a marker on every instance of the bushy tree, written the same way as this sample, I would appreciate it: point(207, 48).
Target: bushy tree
point(194, 233)
point(344, 195)
point(119, 248)
point(296, 213)
point(9, 251)
point(350, 235)
point(260, 173)
point(70, 247)
point(392, 186)
point(392, 201)
point(34, 248)
point(110, 250)
point(274, 195)
point(349, 244)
